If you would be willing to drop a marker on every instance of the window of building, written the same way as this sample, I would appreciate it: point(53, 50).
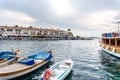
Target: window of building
point(32, 33)
point(51, 33)
point(45, 32)
point(16, 29)
point(56, 33)
point(7, 29)
point(19, 30)
point(11, 29)
point(40, 33)
point(25, 33)
point(2, 29)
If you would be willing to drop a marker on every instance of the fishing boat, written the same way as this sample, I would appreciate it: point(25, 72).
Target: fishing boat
point(58, 71)
point(5, 57)
point(25, 65)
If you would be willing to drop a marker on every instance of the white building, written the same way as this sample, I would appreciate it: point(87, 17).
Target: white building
point(22, 32)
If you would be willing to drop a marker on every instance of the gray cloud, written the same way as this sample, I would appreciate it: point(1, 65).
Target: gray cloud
point(96, 5)
point(41, 11)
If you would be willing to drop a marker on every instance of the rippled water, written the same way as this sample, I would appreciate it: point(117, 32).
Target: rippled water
point(89, 63)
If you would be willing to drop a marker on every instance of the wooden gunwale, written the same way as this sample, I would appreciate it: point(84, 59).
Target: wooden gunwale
point(110, 48)
point(22, 70)
point(2, 60)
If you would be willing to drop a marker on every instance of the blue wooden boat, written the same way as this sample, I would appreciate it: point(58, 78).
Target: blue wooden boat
point(58, 71)
point(5, 57)
point(26, 65)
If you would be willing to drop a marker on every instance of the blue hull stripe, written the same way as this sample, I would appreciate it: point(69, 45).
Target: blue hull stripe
point(63, 74)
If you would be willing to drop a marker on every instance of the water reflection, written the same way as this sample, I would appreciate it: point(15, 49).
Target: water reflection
point(111, 65)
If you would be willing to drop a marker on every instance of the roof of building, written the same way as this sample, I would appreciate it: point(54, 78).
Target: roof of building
point(28, 28)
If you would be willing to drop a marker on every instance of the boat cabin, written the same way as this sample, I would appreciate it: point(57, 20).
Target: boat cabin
point(111, 42)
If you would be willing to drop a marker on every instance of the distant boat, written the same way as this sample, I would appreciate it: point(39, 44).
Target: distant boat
point(25, 65)
point(5, 57)
point(58, 71)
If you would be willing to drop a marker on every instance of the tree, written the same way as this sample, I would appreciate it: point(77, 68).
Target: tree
point(77, 37)
point(70, 34)
point(30, 26)
point(68, 30)
point(16, 26)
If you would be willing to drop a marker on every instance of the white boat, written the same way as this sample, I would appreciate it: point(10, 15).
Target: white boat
point(25, 66)
point(5, 57)
point(58, 71)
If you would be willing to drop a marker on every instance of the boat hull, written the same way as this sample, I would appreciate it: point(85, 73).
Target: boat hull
point(66, 74)
point(111, 53)
point(59, 71)
point(22, 73)
point(25, 65)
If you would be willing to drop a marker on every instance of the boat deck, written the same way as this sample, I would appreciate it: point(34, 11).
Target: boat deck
point(13, 67)
point(16, 67)
point(57, 72)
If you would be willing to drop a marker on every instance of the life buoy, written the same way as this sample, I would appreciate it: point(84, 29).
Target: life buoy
point(46, 74)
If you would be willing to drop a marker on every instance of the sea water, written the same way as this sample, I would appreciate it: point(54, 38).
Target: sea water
point(89, 62)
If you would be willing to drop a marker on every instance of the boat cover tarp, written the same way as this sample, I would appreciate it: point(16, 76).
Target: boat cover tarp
point(5, 55)
point(27, 61)
point(41, 56)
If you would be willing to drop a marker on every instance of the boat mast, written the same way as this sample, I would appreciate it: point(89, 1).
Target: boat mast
point(118, 25)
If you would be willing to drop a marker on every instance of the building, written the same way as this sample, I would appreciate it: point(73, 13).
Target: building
point(16, 32)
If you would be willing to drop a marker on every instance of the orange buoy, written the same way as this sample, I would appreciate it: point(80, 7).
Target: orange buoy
point(46, 74)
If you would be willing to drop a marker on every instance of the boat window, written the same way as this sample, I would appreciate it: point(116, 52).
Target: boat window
point(118, 42)
point(112, 41)
point(107, 41)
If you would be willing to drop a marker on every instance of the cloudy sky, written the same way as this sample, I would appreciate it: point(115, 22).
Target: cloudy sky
point(83, 17)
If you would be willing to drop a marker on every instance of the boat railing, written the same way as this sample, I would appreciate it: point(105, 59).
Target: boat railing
point(107, 47)
point(113, 50)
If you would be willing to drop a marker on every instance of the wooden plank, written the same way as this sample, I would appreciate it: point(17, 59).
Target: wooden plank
point(22, 70)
